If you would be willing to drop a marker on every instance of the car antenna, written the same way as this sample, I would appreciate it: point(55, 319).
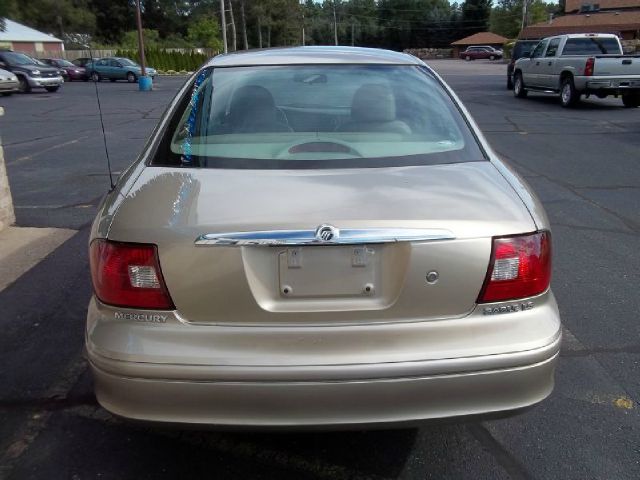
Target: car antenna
point(104, 135)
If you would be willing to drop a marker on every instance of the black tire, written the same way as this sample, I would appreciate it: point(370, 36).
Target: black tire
point(467, 58)
point(7, 94)
point(85, 79)
point(519, 90)
point(569, 96)
point(492, 57)
point(23, 85)
point(112, 80)
point(52, 89)
point(631, 100)
point(131, 77)
point(509, 82)
point(95, 76)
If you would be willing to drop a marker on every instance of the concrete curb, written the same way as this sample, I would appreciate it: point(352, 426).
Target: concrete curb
point(7, 215)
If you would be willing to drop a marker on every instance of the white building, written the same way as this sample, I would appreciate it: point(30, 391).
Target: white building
point(21, 38)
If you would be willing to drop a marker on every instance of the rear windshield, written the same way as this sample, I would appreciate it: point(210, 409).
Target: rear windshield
point(592, 46)
point(316, 116)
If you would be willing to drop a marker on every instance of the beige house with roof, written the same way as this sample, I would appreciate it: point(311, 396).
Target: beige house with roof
point(620, 17)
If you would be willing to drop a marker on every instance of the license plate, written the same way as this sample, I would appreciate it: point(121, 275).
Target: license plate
point(329, 271)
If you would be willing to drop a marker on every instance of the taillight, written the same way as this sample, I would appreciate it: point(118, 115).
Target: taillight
point(588, 67)
point(128, 275)
point(520, 267)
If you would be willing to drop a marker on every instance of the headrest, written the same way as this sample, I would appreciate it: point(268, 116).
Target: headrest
point(373, 102)
point(251, 98)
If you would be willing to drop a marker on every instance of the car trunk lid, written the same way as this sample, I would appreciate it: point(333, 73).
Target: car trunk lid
point(432, 264)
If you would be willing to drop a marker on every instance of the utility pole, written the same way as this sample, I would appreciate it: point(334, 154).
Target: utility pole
point(244, 26)
point(143, 70)
point(302, 11)
point(224, 26)
point(353, 27)
point(259, 32)
point(234, 46)
point(335, 23)
point(525, 13)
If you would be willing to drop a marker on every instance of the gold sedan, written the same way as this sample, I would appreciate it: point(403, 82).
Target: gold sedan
point(319, 236)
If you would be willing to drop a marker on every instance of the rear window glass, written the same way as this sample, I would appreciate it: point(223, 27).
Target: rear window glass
point(317, 116)
point(591, 46)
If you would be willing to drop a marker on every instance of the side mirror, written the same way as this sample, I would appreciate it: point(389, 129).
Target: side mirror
point(119, 65)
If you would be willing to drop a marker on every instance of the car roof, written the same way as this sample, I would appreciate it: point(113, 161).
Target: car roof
point(313, 55)
point(587, 35)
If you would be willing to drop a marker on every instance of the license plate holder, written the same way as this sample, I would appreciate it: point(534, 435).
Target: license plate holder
point(329, 271)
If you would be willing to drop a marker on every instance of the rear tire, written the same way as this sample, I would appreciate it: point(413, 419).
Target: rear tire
point(7, 94)
point(52, 89)
point(569, 97)
point(509, 82)
point(131, 77)
point(492, 57)
point(631, 100)
point(467, 58)
point(23, 85)
point(519, 90)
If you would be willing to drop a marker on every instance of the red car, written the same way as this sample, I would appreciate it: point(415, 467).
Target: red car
point(474, 53)
point(69, 71)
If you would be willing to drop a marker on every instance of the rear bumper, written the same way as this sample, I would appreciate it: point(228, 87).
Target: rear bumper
point(339, 403)
point(609, 85)
point(152, 366)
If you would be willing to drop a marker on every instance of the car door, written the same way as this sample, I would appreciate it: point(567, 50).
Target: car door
point(115, 67)
point(532, 73)
point(102, 67)
point(547, 64)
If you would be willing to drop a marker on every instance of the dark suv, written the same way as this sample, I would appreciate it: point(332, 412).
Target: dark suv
point(31, 73)
point(522, 48)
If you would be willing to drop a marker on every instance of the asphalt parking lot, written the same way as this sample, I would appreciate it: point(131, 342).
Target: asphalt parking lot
point(585, 165)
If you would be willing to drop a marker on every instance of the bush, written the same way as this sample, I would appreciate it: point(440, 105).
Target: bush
point(167, 60)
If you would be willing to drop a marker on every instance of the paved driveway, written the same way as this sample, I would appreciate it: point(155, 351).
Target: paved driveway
point(584, 164)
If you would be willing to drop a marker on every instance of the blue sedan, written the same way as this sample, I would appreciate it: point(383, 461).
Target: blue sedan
point(116, 68)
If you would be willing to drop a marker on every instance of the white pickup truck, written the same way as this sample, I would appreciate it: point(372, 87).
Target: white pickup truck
point(577, 64)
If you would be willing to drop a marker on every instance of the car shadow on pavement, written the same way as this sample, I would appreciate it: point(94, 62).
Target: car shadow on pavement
point(592, 103)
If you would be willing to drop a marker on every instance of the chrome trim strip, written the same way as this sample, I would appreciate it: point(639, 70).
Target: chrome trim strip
point(274, 238)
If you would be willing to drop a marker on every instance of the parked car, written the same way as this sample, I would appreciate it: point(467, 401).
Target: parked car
point(70, 72)
point(522, 48)
point(116, 68)
point(319, 236)
point(474, 53)
point(577, 64)
point(30, 72)
point(81, 62)
point(8, 82)
point(498, 50)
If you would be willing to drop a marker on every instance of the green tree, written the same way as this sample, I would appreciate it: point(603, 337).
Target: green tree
point(206, 33)
point(506, 17)
point(475, 16)
point(54, 16)
point(113, 19)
